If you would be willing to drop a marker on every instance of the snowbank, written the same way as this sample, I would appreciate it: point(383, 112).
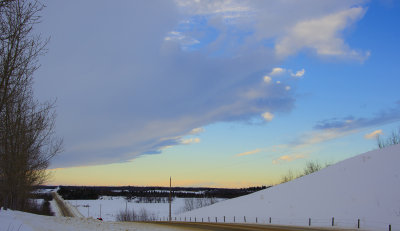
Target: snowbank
point(365, 187)
point(20, 221)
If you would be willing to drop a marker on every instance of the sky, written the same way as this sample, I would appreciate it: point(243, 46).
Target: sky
point(216, 93)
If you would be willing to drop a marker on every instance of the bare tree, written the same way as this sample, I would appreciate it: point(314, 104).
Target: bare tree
point(27, 139)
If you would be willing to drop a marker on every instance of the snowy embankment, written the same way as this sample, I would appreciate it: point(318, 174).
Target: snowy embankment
point(365, 187)
point(75, 212)
point(20, 221)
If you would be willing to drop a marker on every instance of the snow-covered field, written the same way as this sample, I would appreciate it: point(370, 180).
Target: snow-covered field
point(365, 187)
point(20, 221)
point(110, 206)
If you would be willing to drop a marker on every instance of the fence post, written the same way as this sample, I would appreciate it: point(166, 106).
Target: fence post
point(224, 219)
point(185, 218)
point(270, 220)
point(309, 221)
point(190, 219)
point(216, 221)
point(358, 223)
point(390, 227)
point(208, 219)
point(201, 219)
point(333, 221)
point(194, 219)
point(234, 220)
point(244, 219)
point(256, 220)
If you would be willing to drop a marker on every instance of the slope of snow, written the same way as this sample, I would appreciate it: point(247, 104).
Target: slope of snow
point(20, 221)
point(365, 187)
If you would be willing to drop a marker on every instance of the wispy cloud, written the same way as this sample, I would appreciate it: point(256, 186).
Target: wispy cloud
point(249, 152)
point(196, 131)
point(288, 158)
point(338, 127)
point(190, 141)
point(322, 35)
point(299, 73)
point(373, 134)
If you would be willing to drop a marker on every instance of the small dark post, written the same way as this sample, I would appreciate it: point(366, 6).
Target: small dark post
point(224, 219)
point(208, 219)
point(234, 220)
point(358, 223)
point(216, 221)
point(333, 221)
point(194, 219)
point(201, 219)
point(390, 227)
point(256, 220)
point(190, 219)
point(270, 220)
point(185, 218)
point(309, 221)
point(244, 219)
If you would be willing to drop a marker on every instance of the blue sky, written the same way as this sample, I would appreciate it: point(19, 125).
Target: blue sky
point(216, 93)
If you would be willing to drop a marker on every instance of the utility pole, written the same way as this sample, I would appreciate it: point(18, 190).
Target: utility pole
point(170, 218)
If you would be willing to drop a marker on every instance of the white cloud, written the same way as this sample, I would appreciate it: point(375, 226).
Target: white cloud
point(278, 82)
point(299, 73)
point(249, 152)
point(267, 79)
point(277, 71)
point(196, 131)
point(190, 141)
point(321, 35)
point(268, 116)
point(288, 158)
point(373, 134)
point(287, 88)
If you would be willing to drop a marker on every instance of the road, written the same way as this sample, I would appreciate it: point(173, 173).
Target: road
point(245, 227)
point(65, 212)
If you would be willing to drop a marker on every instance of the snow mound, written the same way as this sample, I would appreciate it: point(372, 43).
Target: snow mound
point(365, 187)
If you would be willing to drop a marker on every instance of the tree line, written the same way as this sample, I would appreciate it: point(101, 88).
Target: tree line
point(131, 193)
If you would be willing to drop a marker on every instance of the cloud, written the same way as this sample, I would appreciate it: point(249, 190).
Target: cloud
point(338, 127)
point(277, 71)
point(287, 88)
point(196, 131)
point(321, 35)
point(373, 134)
point(249, 152)
point(298, 73)
point(151, 72)
point(268, 116)
point(190, 141)
point(267, 79)
point(288, 158)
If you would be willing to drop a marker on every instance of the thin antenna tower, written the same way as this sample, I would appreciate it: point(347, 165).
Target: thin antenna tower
point(170, 218)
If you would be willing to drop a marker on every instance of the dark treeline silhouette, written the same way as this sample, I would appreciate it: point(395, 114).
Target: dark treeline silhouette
point(132, 192)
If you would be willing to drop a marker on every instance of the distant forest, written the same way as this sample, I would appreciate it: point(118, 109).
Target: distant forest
point(132, 192)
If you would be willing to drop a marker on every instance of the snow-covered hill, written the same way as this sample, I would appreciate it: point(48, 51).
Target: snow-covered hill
point(365, 187)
